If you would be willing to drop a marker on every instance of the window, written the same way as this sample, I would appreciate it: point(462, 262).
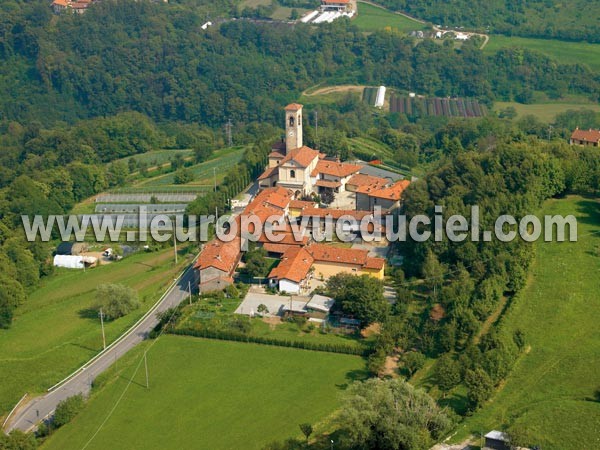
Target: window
point(291, 121)
point(292, 174)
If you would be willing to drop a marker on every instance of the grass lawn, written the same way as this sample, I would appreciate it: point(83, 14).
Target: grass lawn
point(221, 160)
point(551, 389)
point(564, 51)
point(546, 112)
point(209, 394)
point(372, 18)
point(54, 332)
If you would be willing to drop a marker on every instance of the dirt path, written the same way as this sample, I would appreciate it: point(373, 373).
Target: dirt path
point(332, 89)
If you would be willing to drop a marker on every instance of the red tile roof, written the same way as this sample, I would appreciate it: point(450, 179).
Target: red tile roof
point(586, 135)
point(334, 168)
point(365, 182)
point(301, 204)
point(294, 265)
point(393, 192)
point(335, 213)
point(303, 156)
point(272, 247)
point(337, 1)
point(274, 196)
point(220, 255)
point(359, 257)
point(268, 173)
point(64, 3)
point(293, 107)
point(328, 184)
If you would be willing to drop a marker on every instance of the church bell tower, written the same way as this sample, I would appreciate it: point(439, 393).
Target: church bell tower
point(293, 127)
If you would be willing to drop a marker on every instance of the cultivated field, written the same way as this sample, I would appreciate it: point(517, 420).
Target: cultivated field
point(563, 51)
point(449, 107)
point(552, 391)
point(546, 112)
point(54, 332)
point(372, 18)
point(220, 162)
point(209, 394)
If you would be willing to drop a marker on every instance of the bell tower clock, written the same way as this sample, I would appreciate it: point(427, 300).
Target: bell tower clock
point(293, 126)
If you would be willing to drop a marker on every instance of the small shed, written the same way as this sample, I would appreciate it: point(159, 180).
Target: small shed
point(496, 440)
point(320, 303)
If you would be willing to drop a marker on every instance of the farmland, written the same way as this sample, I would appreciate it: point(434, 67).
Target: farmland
point(546, 112)
point(550, 392)
point(54, 331)
point(216, 394)
point(563, 51)
point(373, 18)
point(204, 173)
point(449, 107)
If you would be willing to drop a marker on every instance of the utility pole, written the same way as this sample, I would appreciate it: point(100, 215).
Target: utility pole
point(175, 246)
point(190, 290)
point(102, 324)
point(550, 128)
point(228, 127)
point(215, 178)
point(146, 366)
point(317, 129)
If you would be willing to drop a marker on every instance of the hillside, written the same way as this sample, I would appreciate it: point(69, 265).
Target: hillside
point(574, 20)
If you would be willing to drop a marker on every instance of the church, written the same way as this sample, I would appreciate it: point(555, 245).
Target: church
point(301, 169)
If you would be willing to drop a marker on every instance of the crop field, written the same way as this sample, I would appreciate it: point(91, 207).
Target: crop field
point(546, 112)
point(54, 331)
point(369, 95)
point(373, 18)
point(563, 51)
point(552, 392)
point(209, 394)
point(449, 107)
point(158, 157)
point(204, 173)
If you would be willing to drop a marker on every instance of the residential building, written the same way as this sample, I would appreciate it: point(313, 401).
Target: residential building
point(585, 137)
point(387, 197)
point(330, 260)
point(217, 262)
point(336, 5)
point(293, 271)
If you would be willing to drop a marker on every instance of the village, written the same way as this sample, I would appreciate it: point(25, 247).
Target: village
point(302, 183)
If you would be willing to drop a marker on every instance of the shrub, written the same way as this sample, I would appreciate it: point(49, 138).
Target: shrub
point(67, 410)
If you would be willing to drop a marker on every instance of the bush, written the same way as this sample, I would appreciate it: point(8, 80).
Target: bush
point(115, 300)
point(67, 410)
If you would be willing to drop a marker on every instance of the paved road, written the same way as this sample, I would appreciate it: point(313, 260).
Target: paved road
point(27, 417)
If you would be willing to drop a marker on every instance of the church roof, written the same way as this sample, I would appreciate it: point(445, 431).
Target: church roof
point(303, 156)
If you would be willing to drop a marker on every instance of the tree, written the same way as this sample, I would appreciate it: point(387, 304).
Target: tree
point(447, 373)
point(376, 362)
point(262, 309)
point(390, 414)
point(480, 387)
point(306, 429)
point(67, 409)
point(183, 176)
point(17, 440)
point(359, 296)
point(115, 300)
point(256, 263)
point(413, 361)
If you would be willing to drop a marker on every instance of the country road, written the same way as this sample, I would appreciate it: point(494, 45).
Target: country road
point(28, 416)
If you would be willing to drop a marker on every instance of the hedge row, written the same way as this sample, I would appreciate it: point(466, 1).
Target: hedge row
point(305, 345)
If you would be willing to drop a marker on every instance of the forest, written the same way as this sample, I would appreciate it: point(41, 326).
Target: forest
point(575, 20)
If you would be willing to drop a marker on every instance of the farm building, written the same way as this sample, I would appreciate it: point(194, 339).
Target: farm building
point(585, 137)
point(496, 440)
point(71, 248)
point(217, 263)
point(380, 98)
point(335, 5)
point(73, 261)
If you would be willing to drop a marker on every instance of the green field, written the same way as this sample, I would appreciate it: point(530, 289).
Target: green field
point(551, 390)
point(157, 157)
point(564, 51)
point(209, 394)
point(372, 18)
point(220, 161)
point(546, 112)
point(54, 332)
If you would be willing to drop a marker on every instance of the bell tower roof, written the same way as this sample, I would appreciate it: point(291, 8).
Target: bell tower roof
point(293, 107)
